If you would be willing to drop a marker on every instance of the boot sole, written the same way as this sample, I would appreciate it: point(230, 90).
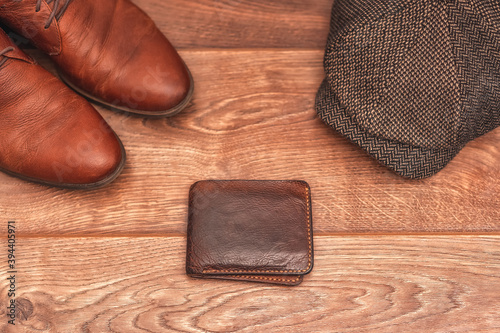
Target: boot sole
point(89, 186)
point(150, 114)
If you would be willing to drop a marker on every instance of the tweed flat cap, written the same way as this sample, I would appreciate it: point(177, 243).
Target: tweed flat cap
point(412, 81)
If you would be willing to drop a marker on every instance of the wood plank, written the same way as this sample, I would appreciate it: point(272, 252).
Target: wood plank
point(237, 24)
point(252, 117)
point(242, 23)
point(359, 284)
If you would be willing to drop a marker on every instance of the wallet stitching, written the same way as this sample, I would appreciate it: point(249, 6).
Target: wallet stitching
point(265, 278)
point(308, 217)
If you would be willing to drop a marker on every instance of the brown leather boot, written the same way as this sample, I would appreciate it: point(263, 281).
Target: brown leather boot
point(109, 51)
point(49, 134)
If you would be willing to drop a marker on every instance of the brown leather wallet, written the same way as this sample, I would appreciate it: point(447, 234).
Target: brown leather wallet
point(250, 230)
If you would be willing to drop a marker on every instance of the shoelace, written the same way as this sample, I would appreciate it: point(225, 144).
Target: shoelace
point(56, 12)
point(7, 49)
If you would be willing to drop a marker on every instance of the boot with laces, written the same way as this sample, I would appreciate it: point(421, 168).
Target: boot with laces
point(49, 134)
point(109, 51)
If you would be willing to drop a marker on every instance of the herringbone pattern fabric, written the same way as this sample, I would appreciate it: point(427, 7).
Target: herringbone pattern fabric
point(475, 30)
point(408, 161)
point(412, 81)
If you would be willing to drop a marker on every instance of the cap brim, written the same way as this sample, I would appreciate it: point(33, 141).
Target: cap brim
point(406, 160)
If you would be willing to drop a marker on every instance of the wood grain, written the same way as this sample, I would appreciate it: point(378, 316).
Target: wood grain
point(359, 284)
point(242, 23)
point(252, 117)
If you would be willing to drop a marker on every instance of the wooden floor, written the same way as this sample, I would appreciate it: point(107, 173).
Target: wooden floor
point(391, 255)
